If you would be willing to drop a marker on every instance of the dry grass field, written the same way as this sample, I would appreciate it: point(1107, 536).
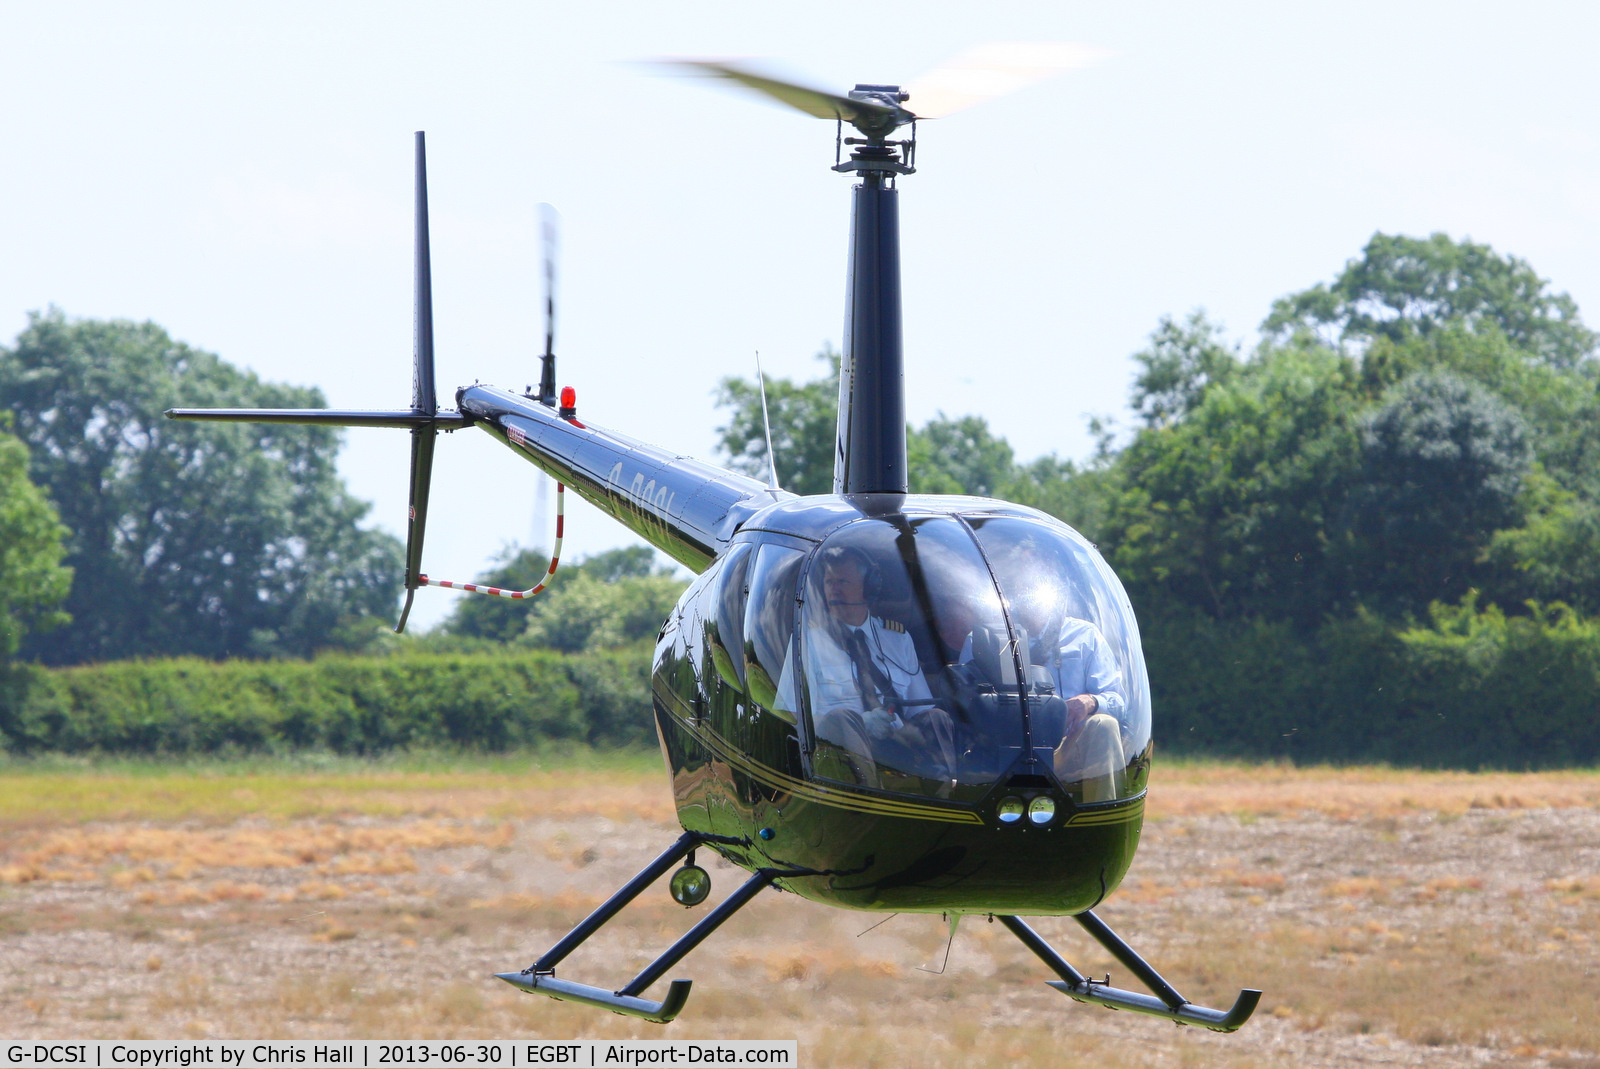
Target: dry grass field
point(1393, 918)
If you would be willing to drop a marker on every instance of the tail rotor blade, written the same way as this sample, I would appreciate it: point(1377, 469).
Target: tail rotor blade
point(551, 225)
point(424, 397)
point(993, 70)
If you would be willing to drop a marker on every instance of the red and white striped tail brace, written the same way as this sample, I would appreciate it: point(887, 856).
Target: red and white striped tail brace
point(516, 595)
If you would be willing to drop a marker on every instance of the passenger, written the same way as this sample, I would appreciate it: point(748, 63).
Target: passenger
point(959, 610)
point(868, 694)
point(1080, 663)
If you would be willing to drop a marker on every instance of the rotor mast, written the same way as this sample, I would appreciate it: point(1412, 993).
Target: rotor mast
point(870, 450)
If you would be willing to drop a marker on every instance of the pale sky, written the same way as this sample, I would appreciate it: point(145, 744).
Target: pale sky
point(241, 175)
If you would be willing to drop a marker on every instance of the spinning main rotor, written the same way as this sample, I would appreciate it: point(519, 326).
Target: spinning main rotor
point(877, 111)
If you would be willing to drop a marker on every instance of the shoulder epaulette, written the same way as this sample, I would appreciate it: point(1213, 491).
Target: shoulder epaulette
point(892, 625)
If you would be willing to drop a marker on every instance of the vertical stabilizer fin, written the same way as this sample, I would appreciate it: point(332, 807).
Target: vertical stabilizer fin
point(424, 396)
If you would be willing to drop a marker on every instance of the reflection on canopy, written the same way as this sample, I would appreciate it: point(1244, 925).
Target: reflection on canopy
point(915, 674)
point(1073, 627)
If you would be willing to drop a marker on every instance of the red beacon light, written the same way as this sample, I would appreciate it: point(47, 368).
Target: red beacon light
point(569, 402)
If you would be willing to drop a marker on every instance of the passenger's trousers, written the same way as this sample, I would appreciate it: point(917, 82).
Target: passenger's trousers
point(1094, 755)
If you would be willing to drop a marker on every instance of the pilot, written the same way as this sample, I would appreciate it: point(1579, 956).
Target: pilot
point(1081, 665)
point(868, 693)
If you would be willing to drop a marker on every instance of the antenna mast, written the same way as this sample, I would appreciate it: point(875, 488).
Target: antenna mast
point(766, 421)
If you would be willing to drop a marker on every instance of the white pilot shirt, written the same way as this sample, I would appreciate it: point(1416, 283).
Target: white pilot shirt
point(831, 674)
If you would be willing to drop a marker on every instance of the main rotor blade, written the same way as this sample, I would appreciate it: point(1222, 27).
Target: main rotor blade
point(864, 114)
point(993, 70)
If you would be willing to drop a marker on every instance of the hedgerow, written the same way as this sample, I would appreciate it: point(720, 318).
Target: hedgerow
point(1471, 688)
point(343, 704)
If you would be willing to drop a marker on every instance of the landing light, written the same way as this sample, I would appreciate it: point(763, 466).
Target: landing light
point(1009, 810)
point(1042, 810)
point(690, 885)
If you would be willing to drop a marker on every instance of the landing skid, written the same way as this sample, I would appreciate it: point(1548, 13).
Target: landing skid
point(539, 978)
point(1165, 1003)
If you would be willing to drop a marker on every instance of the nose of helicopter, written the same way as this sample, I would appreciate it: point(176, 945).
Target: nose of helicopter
point(1034, 852)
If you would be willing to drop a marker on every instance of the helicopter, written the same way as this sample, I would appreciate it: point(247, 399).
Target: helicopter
point(873, 699)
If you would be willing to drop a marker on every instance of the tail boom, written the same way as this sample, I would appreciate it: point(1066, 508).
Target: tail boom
point(687, 509)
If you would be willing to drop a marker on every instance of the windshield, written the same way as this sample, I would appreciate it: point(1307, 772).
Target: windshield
point(915, 672)
point(1070, 615)
point(891, 697)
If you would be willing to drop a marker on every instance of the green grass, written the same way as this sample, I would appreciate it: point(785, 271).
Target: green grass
point(57, 789)
point(575, 757)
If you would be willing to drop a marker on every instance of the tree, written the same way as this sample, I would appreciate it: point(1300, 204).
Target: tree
point(1402, 287)
point(1442, 468)
point(187, 538)
point(1375, 450)
point(589, 613)
point(502, 620)
point(1561, 406)
point(1554, 555)
point(958, 456)
point(804, 417)
point(32, 580)
point(947, 456)
point(1177, 367)
point(1079, 497)
point(1226, 508)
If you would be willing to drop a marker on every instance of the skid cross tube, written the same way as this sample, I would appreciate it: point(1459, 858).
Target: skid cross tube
point(1045, 952)
point(539, 978)
point(694, 936)
point(613, 905)
point(1130, 959)
point(1166, 1003)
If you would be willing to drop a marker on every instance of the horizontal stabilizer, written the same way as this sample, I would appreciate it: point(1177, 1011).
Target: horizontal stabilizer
point(400, 417)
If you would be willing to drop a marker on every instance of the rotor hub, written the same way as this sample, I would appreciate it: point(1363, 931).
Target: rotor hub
point(874, 151)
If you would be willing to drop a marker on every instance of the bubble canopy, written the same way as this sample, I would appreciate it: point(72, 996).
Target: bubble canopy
point(936, 653)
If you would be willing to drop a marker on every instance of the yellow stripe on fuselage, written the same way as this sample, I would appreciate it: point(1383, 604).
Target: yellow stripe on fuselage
point(821, 794)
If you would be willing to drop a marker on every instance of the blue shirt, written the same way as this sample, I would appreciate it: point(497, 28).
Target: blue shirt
point(1081, 662)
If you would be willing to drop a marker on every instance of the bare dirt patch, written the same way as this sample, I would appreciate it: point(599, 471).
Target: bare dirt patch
point(1392, 919)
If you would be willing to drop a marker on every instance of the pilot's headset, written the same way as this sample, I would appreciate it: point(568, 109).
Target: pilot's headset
point(871, 577)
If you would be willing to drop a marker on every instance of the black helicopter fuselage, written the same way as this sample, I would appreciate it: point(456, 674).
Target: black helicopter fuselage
point(743, 773)
point(873, 699)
